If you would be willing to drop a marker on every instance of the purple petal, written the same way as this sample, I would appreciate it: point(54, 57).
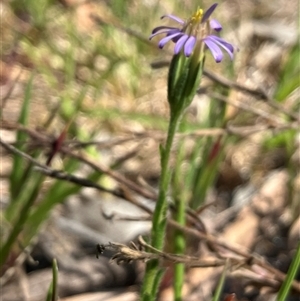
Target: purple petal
point(220, 40)
point(165, 40)
point(156, 29)
point(189, 46)
point(173, 18)
point(167, 31)
point(180, 43)
point(208, 13)
point(225, 45)
point(175, 40)
point(214, 24)
point(214, 49)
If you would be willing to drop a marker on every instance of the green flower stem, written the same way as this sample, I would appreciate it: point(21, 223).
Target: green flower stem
point(153, 273)
point(180, 196)
point(160, 212)
point(179, 249)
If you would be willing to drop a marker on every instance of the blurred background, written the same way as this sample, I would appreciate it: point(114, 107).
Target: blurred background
point(83, 91)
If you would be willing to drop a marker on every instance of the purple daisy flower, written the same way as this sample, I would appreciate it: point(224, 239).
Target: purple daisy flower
point(197, 28)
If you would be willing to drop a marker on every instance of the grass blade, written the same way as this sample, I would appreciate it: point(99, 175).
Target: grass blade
point(220, 285)
point(294, 268)
point(19, 162)
point(52, 292)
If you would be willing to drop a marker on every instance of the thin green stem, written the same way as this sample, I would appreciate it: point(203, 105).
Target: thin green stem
point(160, 212)
point(153, 273)
point(180, 245)
point(180, 191)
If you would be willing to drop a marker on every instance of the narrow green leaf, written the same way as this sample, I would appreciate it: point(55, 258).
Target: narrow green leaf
point(176, 98)
point(29, 188)
point(52, 294)
point(289, 77)
point(220, 285)
point(178, 63)
point(156, 283)
point(21, 218)
point(29, 176)
point(292, 272)
point(16, 175)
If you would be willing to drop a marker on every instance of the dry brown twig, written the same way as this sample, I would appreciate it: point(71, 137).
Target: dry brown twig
point(244, 106)
point(136, 252)
point(125, 254)
point(58, 174)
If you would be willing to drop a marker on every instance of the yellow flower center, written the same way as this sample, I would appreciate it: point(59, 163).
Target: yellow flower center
point(197, 16)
